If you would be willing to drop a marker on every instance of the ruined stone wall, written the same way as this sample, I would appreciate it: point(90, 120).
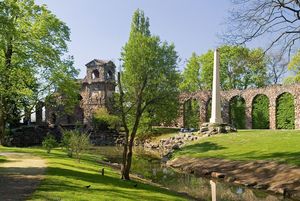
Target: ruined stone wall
point(272, 92)
point(96, 91)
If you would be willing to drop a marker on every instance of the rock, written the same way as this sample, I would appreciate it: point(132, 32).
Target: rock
point(261, 186)
point(218, 175)
point(175, 147)
point(230, 179)
point(250, 184)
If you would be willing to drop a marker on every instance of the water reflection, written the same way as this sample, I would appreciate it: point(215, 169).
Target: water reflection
point(148, 165)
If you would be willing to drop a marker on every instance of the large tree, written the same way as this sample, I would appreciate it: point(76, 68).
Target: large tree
point(279, 20)
point(241, 68)
point(33, 43)
point(148, 82)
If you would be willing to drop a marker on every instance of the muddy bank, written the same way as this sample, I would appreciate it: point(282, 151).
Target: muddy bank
point(271, 176)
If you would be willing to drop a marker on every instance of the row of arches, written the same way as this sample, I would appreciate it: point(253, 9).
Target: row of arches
point(234, 111)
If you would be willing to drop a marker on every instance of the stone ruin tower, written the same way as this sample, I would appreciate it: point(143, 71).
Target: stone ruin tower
point(97, 87)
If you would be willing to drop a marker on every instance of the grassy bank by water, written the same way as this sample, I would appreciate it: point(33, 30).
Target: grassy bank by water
point(279, 145)
point(66, 179)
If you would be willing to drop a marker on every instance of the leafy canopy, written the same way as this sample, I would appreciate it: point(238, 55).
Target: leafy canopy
point(240, 68)
point(33, 62)
point(149, 77)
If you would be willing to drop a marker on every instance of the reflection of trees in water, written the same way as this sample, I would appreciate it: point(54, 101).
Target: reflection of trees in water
point(149, 166)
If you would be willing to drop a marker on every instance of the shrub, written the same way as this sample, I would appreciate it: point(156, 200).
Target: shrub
point(191, 114)
point(65, 142)
point(285, 113)
point(49, 143)
point(260, 112)
point(237, 112)
point(102, 120)
point(75, 142)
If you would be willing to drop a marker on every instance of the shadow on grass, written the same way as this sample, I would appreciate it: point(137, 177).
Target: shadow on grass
point(200, 148)
point(282, 157)
point(106, 186)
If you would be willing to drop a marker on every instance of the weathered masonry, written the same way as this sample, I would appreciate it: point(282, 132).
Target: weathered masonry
point(272, 92)
point(97, 89)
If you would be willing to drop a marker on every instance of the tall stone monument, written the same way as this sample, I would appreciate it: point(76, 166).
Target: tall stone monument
point(216, 99)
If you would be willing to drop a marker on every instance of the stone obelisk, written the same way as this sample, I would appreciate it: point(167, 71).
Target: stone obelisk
point(216, 100)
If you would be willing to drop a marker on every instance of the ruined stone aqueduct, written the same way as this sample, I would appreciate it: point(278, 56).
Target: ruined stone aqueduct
point(273, 92)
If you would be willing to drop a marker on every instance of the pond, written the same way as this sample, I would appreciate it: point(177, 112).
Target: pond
point(148, 165)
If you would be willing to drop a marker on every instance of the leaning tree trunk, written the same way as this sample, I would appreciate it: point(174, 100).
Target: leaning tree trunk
point(126, 168)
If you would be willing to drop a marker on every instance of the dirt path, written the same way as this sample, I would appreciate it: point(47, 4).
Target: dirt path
point(20, 175)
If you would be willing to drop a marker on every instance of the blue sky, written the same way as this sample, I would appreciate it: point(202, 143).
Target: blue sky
point(100, 28)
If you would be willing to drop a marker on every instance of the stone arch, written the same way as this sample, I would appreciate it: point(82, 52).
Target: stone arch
point(109, 75)
point(237, 112)
point(285, 111)
point(43, 113)
point(191, 113)
point(53, 118)
point(260, 111)
point(95, 74)
point(208, 109)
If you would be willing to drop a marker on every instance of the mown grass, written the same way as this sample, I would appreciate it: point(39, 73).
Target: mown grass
point(278, 145)
point(66, 180)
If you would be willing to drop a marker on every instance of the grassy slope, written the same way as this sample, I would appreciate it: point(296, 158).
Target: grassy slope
point(66, 180)
point(282, 146)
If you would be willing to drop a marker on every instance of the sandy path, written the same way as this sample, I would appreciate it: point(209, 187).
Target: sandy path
point(20, 175)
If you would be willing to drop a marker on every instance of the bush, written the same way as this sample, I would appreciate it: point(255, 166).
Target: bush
point(285, 113)
point(191, 114)
point(49, 143)
point(102, 120)
point(75, 142)
point(237, 112)
point(260, 112)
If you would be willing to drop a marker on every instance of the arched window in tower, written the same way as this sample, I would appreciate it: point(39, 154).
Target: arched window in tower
point(95, 74)
point(109, 75)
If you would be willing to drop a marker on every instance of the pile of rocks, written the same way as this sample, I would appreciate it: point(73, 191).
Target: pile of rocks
point(168, 145)
point(208, 129)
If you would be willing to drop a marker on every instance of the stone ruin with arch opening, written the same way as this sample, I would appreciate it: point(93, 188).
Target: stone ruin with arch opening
point(273, 92)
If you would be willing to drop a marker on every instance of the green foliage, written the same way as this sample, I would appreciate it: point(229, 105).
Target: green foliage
point(260, 112)
point(102, 120)
point(75, 142)
point(237, 112)
point(285, 111)
point(148, 84)
point(294, 65)
point(191, 114)
point(49, 143)
point(150, 77)
point(191, 75)
point(240, 68)
point(33, 62)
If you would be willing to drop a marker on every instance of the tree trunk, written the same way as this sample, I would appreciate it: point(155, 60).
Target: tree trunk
point(2, 128)
point(126, 168)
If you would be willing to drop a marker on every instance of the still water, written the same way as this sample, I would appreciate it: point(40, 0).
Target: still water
point(148, 165)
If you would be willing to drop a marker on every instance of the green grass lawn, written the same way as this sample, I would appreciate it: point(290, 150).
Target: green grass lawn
point(280, 145)
point(66, 180)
